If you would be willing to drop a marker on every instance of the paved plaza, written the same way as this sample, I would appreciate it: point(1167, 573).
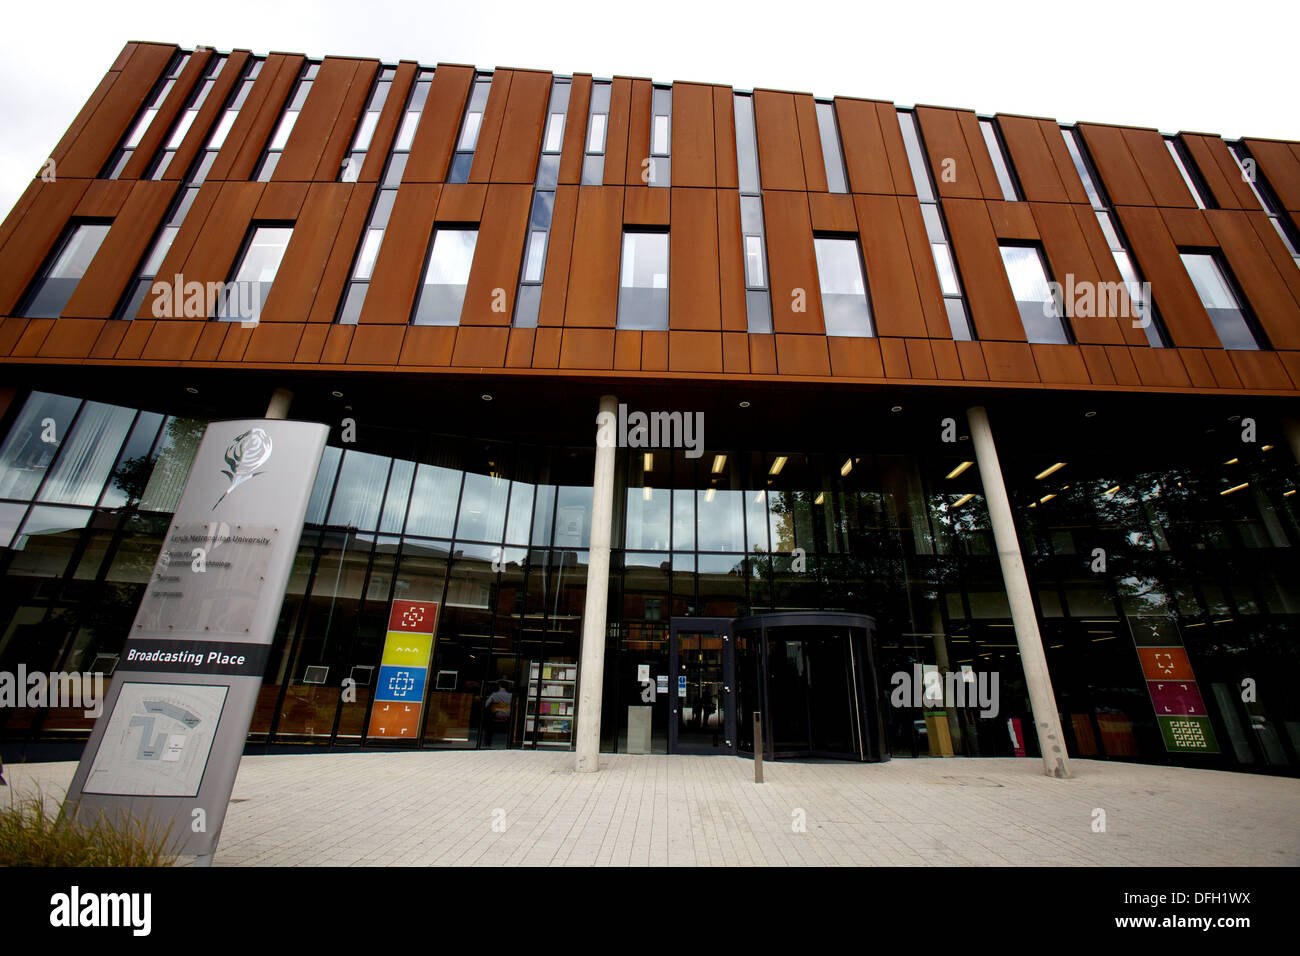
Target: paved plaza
point(503, 808)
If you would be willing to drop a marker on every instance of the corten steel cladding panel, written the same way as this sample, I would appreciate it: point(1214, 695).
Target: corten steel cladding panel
point(708, 321)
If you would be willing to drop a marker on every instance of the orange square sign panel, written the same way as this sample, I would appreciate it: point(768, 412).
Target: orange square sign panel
point(1165, 663)
point(393, 719)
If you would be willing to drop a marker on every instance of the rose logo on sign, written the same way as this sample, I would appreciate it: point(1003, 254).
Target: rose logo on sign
point(246, 454)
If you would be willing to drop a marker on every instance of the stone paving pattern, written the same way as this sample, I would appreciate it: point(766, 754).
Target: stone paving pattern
point(505, 808)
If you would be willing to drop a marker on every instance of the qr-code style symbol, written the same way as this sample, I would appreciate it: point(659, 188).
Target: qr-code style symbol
point(1188, 733)
point(412, 616)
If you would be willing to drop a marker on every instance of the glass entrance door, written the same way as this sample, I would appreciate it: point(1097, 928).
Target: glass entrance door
point(701, 691)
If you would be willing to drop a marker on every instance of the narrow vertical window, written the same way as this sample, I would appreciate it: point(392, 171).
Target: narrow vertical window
point(363, 267)
point(954, 302)
point(446, 276)
point(1184, 163)
point(753, 248)
point(186, 119)
point(661, 122)
point(51, 291)
point(126, 149)
point(153, 259)
point(1143, 307)
point(1220, 300)
point(281, 137)
point(1268, 200)
point(467, 141)
point(352, 163)
point(528, 299)
point(643, 281)
point(832, 157)
point(253, 277)
point(1039, 312)
point(593, 160)
point(1000, 164)
point(845, 308)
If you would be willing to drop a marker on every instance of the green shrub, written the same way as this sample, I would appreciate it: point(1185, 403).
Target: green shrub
point(32, 836)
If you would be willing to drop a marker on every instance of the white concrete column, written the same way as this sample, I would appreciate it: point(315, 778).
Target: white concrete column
point(591, 673)
point(1291, 428)
point(1047, 721)
point(278, 407)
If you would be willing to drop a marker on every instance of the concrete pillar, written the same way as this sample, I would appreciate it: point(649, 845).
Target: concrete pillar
point(591, 673)
point(278, 407)
point(1291, 428)
point(1047, 721)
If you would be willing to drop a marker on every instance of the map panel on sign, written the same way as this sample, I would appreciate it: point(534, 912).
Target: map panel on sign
point(407, 650)
point(157, 740)
point(405, 684)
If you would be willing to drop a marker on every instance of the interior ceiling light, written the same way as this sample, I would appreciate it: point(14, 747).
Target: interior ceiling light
point(896, 409)
point(336, 393)
point(959, 469)
point(744, 404)
point(820, 499)
point(1231, 461)
point(648, 461)
point(1244, 484)
point(486, 397)
point(1090, 414)
point(719, 462)
point(962, 500)
point(1046, 498)
point(1267, 448)
point(191, 389)
point(1111, 491)
point(1234, 418)
point(777, 465)
point(1048, 471)
point(846, 467)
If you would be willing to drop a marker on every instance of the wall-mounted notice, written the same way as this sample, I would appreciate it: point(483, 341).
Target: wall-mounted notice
point(167, 747)
point(404, 670)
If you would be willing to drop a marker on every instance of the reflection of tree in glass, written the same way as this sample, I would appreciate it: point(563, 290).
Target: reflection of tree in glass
point(168, 468)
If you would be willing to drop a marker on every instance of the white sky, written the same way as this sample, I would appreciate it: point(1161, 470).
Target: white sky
point(1192, 65)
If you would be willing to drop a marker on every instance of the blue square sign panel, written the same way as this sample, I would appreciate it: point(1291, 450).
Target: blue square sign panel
point(401, 683)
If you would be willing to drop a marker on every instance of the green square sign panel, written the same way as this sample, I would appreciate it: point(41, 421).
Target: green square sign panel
point(1185, 734)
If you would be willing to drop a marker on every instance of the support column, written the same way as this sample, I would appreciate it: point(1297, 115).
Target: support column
point(1042, 701)
point(278, 408)
point(591, 673)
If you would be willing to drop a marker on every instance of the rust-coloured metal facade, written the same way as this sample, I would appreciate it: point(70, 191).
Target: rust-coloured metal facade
point(707, 333)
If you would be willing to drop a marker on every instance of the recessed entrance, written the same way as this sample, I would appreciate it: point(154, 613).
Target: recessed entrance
point(810, 673)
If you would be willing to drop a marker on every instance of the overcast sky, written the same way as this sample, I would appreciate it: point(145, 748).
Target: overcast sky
point(1226, 68)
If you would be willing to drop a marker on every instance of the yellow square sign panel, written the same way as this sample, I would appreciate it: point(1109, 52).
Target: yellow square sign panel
point(407, 650)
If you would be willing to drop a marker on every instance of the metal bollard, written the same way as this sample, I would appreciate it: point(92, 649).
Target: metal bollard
point(758, 747)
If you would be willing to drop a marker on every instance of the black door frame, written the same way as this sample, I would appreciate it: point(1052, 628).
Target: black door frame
point(716, 625)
